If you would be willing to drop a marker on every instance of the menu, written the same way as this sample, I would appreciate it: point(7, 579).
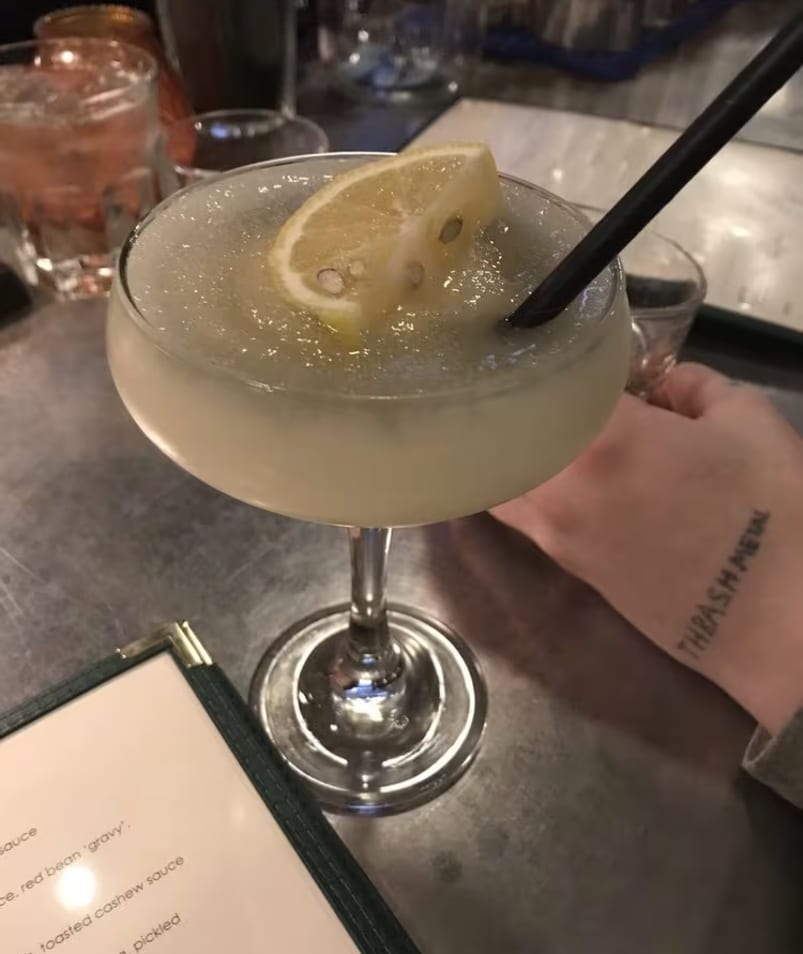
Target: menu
point(127, 826)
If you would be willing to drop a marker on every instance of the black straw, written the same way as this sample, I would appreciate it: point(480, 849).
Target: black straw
point(759, 80)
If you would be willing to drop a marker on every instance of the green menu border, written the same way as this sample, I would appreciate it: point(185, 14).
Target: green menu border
point(362, 910)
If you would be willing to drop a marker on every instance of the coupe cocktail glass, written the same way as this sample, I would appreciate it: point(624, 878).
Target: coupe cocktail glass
point(424, 417)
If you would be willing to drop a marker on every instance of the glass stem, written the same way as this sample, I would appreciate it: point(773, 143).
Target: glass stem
point(370, 649)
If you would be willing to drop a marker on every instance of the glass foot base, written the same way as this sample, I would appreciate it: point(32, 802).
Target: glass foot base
point(372, 749)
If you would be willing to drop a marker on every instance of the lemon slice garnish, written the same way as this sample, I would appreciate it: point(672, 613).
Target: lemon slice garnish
point(386, 233)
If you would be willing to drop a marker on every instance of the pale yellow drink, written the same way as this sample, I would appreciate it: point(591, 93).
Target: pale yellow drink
point(425, 416)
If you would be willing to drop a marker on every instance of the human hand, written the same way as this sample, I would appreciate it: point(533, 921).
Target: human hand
point(688, 519)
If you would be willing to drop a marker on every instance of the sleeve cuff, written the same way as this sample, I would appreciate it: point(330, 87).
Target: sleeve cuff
point(777, 761)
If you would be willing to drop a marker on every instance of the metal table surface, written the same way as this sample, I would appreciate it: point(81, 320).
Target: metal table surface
point(606, 811)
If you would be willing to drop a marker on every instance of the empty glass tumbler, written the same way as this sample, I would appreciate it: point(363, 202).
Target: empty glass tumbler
point(401, 50)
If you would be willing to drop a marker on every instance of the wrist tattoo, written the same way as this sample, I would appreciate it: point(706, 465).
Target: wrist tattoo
point(702, 627)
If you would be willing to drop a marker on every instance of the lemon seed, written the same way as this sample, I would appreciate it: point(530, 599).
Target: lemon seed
point(414, 272)
point(451, 229)
point(357, 268)
point(331, 281)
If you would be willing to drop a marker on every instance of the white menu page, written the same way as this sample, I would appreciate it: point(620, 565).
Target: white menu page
point(128, 827)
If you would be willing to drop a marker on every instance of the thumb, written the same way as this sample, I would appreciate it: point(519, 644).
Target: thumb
point(521, 514)
point(693, 390)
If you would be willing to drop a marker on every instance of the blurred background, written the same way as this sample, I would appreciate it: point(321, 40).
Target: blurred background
point(577, 95)
point(654, 61)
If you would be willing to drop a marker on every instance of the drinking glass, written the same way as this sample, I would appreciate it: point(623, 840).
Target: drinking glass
point(79, 136)
point(376, 707)
point(665, 287)
point(201, 146)
point(233, 54)
point(401, 50)
point(116, 22)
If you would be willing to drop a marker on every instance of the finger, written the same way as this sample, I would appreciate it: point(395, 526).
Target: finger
point(516, 513)
point(630, 413)
point(693, 390)
point(548, 518)
point(552, 507)
point(633, 425)
point(536, 514)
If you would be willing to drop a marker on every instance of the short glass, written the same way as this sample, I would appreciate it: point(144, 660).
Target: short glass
point(665, 287)
point(116, 22)
point(401, 50)
point(233, 54)
point(228, 138)
point(79, 139)
point(376, 707)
